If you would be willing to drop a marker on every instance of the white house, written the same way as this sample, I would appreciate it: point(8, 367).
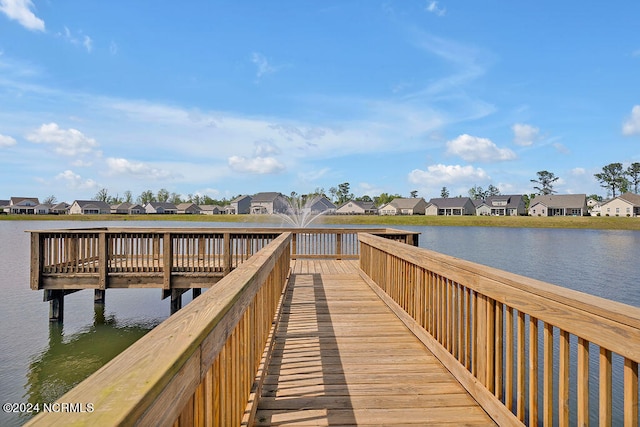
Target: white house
point(189, 208)
point(559, 205)
point(403, 206)
point(160, 208)
point(355, 207)
point(89, 207)
point(23, 205)
point(501, 205)
point(627, 204)
point(450, 206)
point(211, 209)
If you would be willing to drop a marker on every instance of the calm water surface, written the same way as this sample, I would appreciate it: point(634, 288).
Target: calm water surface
point(39, 362)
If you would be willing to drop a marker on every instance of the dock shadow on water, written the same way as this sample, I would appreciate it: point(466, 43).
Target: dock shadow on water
point(69, 359)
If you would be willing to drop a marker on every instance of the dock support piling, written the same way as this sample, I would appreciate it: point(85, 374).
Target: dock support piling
point(176, 300)
point(56, 304)
point(98, 296)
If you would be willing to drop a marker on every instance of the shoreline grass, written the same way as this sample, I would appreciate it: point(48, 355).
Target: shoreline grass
point(584, 222)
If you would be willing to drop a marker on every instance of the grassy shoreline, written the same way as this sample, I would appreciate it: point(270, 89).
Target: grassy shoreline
point(585, 222)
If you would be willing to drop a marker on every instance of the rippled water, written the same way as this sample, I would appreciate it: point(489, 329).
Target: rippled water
point(39, 361)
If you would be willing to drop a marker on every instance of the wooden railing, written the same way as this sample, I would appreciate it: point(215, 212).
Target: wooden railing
point(196, 368)
point(528, 351)
point(172, 258)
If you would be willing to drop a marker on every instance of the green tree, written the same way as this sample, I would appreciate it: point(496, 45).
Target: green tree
point(333, 192)
point(613, 178)
point(444, 193)
point(128, 197)
point(343, 193)
point(146, 197)
point(102, 195)
point(493, 190)
point(633, 172)
point(175, 198)
point(545, 180)
point(364, 198)
point(384, 198)
point(477, 193)
point(163, 195)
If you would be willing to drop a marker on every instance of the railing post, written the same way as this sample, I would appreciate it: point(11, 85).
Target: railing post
point(103, 260)
point(36, 260)
point(338, 246)
point(294, 246)
point(227, 253)
point(167, 261)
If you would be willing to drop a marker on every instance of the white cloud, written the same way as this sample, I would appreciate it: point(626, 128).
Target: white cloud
point(473, 148)
point(561, 148)
point(20, 10)
point(632, 125)
point(75, 181)
point(262, 64)
point(578, 171)
point(120, 166)
point(81, 39)
point(113, 48)
point(66, 142)
point(313, 175)
point(255, 165)
point(440, 174)
point(87, 43)
point(6, 141)
point(266, 148)
point(434, 8)
point(524, 134)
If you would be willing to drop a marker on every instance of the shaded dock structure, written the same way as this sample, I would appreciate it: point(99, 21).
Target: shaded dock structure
point(350, 327)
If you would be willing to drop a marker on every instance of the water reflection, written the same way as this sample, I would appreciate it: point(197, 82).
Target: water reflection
point(67, 360)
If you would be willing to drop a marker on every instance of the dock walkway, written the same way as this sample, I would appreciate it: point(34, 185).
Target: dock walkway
point(341, 357)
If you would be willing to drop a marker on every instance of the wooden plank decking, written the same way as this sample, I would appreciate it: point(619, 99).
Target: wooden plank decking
point(341, 357)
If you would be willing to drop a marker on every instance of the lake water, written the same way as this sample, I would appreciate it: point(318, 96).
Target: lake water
point(39, 361)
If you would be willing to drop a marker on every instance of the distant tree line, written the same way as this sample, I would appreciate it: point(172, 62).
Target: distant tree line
point(614, 177)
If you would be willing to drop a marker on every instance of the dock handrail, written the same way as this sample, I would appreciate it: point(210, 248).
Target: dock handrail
point(510, 339)
point(198, 366)
point(169, 258)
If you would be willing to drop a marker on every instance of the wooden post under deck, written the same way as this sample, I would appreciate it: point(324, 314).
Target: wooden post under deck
point(56, 304)
point(99, 296)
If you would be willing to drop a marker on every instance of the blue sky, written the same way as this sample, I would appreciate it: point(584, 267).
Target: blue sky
point(235, 97)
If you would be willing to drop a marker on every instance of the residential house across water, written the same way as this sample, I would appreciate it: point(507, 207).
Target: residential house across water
point(501, 205)
point(355, 207)
point(402, 206)
point(559, 205)
point(89, 207)
point(627, 204)
point(450, 206)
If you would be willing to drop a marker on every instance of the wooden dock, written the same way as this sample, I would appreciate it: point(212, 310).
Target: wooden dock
point(346, 327)
point(341, 357)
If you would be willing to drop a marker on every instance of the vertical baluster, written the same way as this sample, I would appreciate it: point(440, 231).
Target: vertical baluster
point(583, 382)
point(509, 344)
point(630, 393)
point(499, 351)
point(605, 404)
point(533, 371)
point(563, 380)
point(520, 366)
point(547, 385)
